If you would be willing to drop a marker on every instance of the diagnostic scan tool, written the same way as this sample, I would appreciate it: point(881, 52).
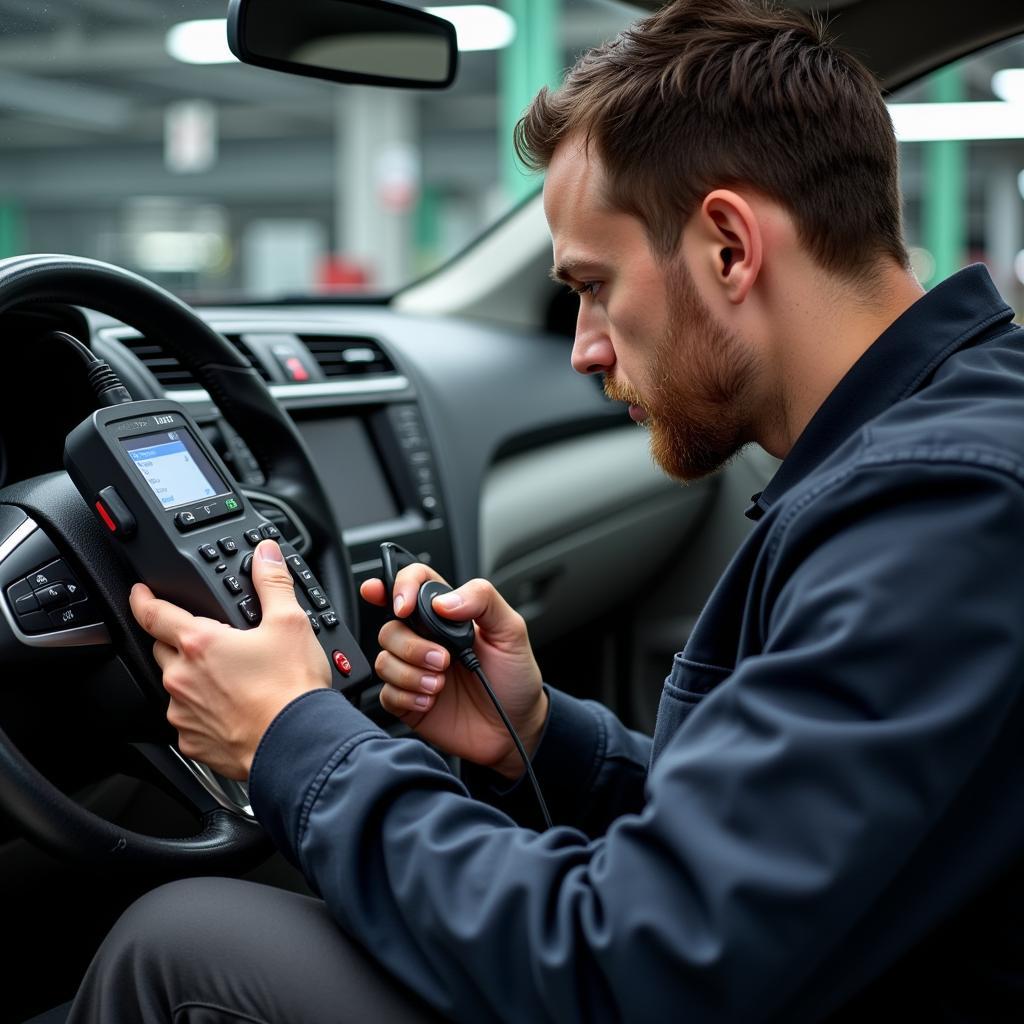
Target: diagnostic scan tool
point(162, 491)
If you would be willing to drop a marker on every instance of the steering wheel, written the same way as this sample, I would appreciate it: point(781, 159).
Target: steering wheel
point(44, 520)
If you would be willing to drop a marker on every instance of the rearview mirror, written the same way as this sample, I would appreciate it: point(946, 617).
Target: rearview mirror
point(372, 42)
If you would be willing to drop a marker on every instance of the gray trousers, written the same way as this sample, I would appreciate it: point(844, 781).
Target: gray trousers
point(221, 951)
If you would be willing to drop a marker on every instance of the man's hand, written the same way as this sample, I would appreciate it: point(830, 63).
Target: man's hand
point(227, 685)
point(444, 702)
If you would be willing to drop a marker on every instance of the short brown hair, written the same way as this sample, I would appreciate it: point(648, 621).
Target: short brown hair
point(706, 94)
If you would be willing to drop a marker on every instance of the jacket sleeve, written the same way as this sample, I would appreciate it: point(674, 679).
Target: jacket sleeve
point(590, 768)
point(790, 799)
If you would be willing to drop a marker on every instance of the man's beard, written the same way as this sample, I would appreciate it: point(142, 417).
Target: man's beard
point(697, 395)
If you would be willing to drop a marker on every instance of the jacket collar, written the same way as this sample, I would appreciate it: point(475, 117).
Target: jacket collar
point(897, 364)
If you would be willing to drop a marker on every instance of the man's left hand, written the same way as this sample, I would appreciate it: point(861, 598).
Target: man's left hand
point(227, 685)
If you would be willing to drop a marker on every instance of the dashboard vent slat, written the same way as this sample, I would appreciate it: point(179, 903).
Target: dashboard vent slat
point(166, 367)
point(347, 356)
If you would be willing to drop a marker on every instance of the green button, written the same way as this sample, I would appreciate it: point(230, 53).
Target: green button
point(231, 504)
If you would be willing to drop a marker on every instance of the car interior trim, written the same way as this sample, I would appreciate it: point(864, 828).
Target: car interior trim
point(315, 389)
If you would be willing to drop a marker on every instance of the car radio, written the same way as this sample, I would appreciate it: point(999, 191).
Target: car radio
point(157, 485)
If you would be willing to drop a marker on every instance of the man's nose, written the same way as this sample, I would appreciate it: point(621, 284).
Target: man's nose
point(592, 350)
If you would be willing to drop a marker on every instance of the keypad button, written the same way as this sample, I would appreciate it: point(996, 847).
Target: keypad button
point(20, 589)
point(250, 610)
point(53, 596)
point(209, 552)
point(314, 622)
point(186, 521)
point(317, 597)
point(26, 604)
point(223, 567)
point(231, 582)
point(253, 537)
point(329, 618)
point(295, 564)
point(270, 531)
point(228, 545)
point(247, 564)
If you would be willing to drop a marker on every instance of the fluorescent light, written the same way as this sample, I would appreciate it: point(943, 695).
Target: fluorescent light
point(478, 26)
point(936, 122)
point(1008, 85)
point(200, 42)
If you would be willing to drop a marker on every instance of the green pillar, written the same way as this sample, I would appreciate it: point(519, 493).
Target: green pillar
point(944, 215)
point(427, 228)
point(10, 230)
point(533, 59)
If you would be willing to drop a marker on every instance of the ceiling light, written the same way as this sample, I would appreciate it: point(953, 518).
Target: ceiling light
point(937, 122)
point(478, 26)
point(200, 42)
point(1008, 85)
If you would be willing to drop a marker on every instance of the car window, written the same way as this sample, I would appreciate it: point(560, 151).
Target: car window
point(131, 135)
point(962, 156)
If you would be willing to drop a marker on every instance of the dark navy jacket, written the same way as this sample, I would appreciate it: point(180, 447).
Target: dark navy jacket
point(831, 814)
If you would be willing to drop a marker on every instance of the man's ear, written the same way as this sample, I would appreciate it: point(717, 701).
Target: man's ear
point(732, 243)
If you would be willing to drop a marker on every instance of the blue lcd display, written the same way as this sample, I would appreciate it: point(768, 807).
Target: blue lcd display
point(175, 469)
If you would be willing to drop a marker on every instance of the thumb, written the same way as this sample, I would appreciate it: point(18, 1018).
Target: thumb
point(271, 578)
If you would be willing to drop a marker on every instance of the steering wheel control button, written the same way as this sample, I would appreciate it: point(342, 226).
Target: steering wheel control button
point(186, 521)
point(341, 663)
point(35, 622)
point(26, 604)
point(54, 596)
point(228, 545)
point(209, 552)
point(250, 611)
point(270, 531)
point(246, 568)
point(70, 618)
point(18, 590)
point(329, 618)
point(115, 513)
point(223, 567)
point(314, 622)
point(231, 582)
point(253, 537)
point(317, 598)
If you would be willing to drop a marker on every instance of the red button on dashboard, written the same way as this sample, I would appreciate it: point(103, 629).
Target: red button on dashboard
point(341, 663)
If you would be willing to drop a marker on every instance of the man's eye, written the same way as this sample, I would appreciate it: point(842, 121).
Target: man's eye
point(590, 288)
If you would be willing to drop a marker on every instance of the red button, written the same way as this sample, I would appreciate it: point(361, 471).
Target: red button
point(341, 663)
point(105, 516)
point(295, 368)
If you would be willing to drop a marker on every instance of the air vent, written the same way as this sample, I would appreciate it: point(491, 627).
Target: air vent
point(347, 356)
point(166, 367)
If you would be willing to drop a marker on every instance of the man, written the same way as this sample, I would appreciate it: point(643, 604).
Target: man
point(828, 811)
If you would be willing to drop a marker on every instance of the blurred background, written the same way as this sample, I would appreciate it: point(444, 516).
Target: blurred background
point(129, 133)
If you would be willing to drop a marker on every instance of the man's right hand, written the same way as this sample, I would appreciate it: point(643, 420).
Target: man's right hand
point(445, 703)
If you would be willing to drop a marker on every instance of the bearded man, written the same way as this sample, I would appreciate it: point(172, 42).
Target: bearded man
point(827, 821)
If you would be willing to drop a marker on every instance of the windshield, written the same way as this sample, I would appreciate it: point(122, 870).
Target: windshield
point(219, 180)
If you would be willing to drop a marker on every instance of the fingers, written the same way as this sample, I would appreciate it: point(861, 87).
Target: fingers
point(404, 676)
point(478, 600)
point(404, 645)
point(273, 582)
point(407, 586)
point(160, 619)
point(163, 653)
point(404, 704)
point(372, 591)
